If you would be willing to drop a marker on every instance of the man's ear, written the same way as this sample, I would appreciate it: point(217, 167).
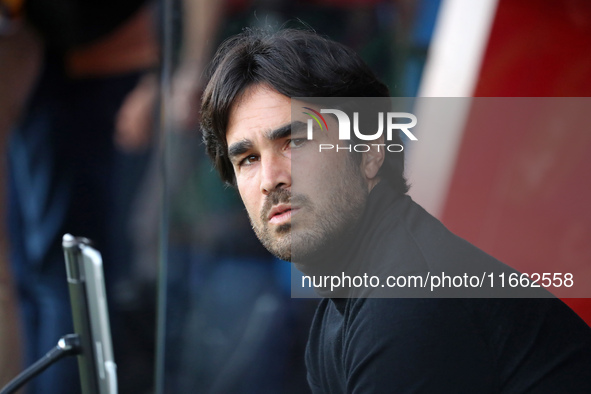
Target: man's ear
point(373, 159)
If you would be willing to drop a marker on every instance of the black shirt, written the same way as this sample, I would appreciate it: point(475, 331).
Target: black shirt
point(445, 345)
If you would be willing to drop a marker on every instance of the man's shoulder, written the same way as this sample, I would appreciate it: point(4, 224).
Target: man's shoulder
point(432, 240)
point(408, 241)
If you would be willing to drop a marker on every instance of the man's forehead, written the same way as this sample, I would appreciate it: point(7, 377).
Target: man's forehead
point(262, 96)
point(260, 109)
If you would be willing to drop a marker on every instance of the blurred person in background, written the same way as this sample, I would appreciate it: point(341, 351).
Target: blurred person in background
point(79, 62)
point(21, 63)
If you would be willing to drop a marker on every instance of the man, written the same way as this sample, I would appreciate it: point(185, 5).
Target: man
point(332, 212)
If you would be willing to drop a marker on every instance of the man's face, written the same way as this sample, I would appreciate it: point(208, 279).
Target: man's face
point(295, 214)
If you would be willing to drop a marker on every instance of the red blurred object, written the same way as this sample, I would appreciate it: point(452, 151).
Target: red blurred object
point(538, 49)
point(523, 196)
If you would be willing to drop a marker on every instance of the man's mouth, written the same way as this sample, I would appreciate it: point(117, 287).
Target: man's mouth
point(281, 213)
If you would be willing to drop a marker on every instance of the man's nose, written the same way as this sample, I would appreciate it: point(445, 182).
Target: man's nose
point(276, 173)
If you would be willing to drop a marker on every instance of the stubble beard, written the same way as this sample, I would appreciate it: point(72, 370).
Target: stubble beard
point(317, 229)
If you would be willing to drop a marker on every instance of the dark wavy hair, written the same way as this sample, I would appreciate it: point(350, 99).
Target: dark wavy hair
point(296, 63)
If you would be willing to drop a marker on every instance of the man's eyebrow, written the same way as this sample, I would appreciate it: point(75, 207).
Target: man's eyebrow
point(284, 131)
point(238, 148)
point(279, 133)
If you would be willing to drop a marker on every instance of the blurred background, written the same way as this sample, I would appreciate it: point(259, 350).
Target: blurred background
point(99, 121)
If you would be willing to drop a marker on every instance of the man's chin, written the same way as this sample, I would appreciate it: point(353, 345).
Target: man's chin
point(289, 244)
point(279, 246)
point(281, 253)
point(285, 248)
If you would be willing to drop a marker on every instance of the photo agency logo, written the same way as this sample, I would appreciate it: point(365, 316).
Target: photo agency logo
point(389, 121)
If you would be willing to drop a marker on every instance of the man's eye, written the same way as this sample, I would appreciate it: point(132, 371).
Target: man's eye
point(248, 160)
point(297, 142)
